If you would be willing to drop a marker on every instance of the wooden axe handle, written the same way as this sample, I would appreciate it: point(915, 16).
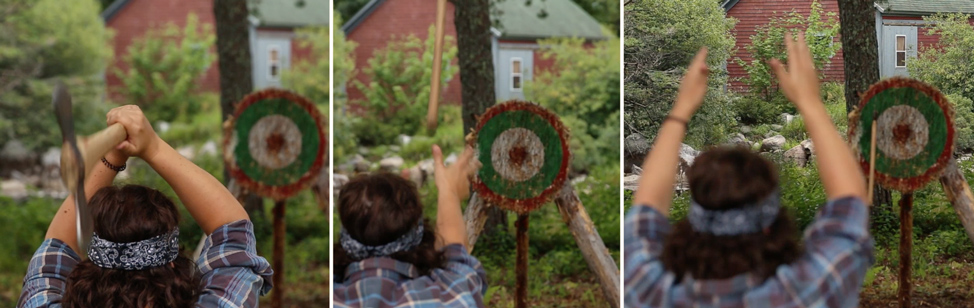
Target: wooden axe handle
point(431, 114)
point(92, 149)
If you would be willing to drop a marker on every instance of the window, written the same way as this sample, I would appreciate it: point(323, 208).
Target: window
point(273, 62)
point(821, 39)
point(516, 74)
point(901, 51)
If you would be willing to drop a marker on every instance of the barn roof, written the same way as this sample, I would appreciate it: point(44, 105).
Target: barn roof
point(271, 13)
point(517, 20)
point(926, 7)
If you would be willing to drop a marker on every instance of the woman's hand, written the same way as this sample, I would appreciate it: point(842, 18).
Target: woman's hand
point(455, 178)
point(799, 80)
point(142, 139)
point(693, 87)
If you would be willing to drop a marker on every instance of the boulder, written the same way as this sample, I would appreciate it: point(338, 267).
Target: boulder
point(360, 164)
point(787, 118)
point(636, 170)
point(163, 127)
point(14, 189)
point(776, 127)
point(739, 140)
point(797, 154)
point(404, 140)
point(630, 182)
point(51, 159)
point(338, 180)
point(187, 151)
point(772, 144)
point(636, 148)
point(391, 164)
point(687, 154)
point(15, 156)
point(450, 159)
point(209, 149)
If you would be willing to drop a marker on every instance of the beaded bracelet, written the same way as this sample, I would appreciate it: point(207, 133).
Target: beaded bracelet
point(113, 167)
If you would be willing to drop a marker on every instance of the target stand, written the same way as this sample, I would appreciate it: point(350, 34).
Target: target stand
point(275, 146)
point(910, 143)
point(525, 155)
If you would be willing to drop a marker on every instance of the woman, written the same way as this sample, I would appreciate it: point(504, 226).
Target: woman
point(390, 256)
point(736, 247)
point(134, 258)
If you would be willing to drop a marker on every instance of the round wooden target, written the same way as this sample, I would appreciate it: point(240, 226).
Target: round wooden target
point(524, 151)
point(275, 143)
point(914, 132)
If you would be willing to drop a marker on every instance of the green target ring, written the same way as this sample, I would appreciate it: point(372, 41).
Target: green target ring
point(524, 152)
point(914, 132)
point(275, 143)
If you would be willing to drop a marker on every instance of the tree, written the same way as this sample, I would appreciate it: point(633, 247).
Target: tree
point(861, 63)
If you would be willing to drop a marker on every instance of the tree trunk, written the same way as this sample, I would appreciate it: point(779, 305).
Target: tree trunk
point(861, 52)
point(472, 21)
point(234, 60)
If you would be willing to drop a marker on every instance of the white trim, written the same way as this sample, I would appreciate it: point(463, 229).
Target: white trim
point(896, 51)
point(518, 74)
point(271, 62)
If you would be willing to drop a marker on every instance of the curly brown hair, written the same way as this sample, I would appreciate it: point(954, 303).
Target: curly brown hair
point(379, 208)
point(124, 214)
point(727, 178)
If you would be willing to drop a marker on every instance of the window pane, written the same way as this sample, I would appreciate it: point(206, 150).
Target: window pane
point(900, 43)
point(274, 71)
point(516, 82)
point(516, 66)
point(900, 58)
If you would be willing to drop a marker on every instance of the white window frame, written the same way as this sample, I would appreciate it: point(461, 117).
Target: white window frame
point(517, 74)
point(896, 51)
point(271, 62)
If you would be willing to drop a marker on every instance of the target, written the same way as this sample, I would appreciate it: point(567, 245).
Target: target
point(524, 151)
point(914, 132)
point(275, 143)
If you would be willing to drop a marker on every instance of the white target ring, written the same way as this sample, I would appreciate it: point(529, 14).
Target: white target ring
point(274, 141)
point(902, 132)
point(517, 154)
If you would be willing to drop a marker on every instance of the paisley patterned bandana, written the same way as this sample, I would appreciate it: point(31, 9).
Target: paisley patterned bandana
point(751, 218)
point(359, 251)
point(157, 251)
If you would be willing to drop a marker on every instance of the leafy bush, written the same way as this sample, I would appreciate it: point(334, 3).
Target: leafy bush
point(795, 130)
point(398, 92)
point(343, 64)
point(949, 65)
point(582, 87)
point(309, 78)
point(164, 68)
point(750, 110)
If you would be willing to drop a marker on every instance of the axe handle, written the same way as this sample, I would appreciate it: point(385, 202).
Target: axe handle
point(431, 114)
point(93, 148)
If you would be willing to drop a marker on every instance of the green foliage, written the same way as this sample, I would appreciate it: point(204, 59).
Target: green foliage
point(795, 130)
point(949, 65)
point(661, 38)
point(752, 110)
point(768, 43)
point(309, 78)
point(40, 42)
point(164, 68)
point(583, 89)
point(343, 64)
point(963, 121)
point(398, 91)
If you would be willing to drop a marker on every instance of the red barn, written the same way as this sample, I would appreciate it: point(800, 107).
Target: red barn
point(515, 49)
point(271, 32)
point(900, 30)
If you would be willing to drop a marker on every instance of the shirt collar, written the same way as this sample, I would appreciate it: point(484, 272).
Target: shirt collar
point(380, 267)
point(737, 285)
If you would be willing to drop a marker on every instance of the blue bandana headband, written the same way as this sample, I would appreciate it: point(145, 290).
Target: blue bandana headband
point(751, 218)
point(359, 251)
point(156, 251)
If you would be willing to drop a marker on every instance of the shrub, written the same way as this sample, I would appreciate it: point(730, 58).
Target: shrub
point(949, 65)
point(344, 140)
point(963, 122)
point(309, 78)
point(751, 110)
point(164, 69)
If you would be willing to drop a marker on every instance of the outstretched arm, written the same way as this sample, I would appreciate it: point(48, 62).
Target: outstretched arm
point(210, 203)
point(453, 185)
point(841, 174)
point(64, 225)
point(656, 185)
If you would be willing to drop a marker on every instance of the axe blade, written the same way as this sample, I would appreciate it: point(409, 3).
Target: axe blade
point(74, 178)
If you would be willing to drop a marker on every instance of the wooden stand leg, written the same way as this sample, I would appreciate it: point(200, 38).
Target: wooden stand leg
point(521, 281)
point(906, 249)
point(475, 218)
point(590, 243)
point(959, 194)
point(277, 296)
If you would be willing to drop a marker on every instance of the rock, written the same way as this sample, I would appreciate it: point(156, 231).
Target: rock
point(187, 151)
point(363, 151)
point(52, 158)
point(687, 154)
point(770, 134)
point(391, 164)
point(637, 170)
point(575, 181)
point(426, 166)
point(404, 140)
point(777, 127)
point(360, 164)
point(797, 155)
point(208, 149)
point(772, 144)
point(13, 189)
point(163, 127)
point(15, 152)
point(415, 174)
point(394, 149)
point(338, 180)
point(636, 148)
point(739, 140)
point(787, 118)
point(450, 159)
point(630, 182)
point(746, 129)
point(809, 146)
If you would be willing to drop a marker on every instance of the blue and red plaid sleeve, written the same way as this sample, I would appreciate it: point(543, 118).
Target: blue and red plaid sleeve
point(645, 231)
point(233, 274)
point(47, 274)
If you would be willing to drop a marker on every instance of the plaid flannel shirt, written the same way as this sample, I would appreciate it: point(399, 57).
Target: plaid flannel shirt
point(233, 274)
point(385, 282)
point(838, 251)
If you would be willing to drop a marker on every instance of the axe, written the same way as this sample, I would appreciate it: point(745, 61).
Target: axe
point(77, 159)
